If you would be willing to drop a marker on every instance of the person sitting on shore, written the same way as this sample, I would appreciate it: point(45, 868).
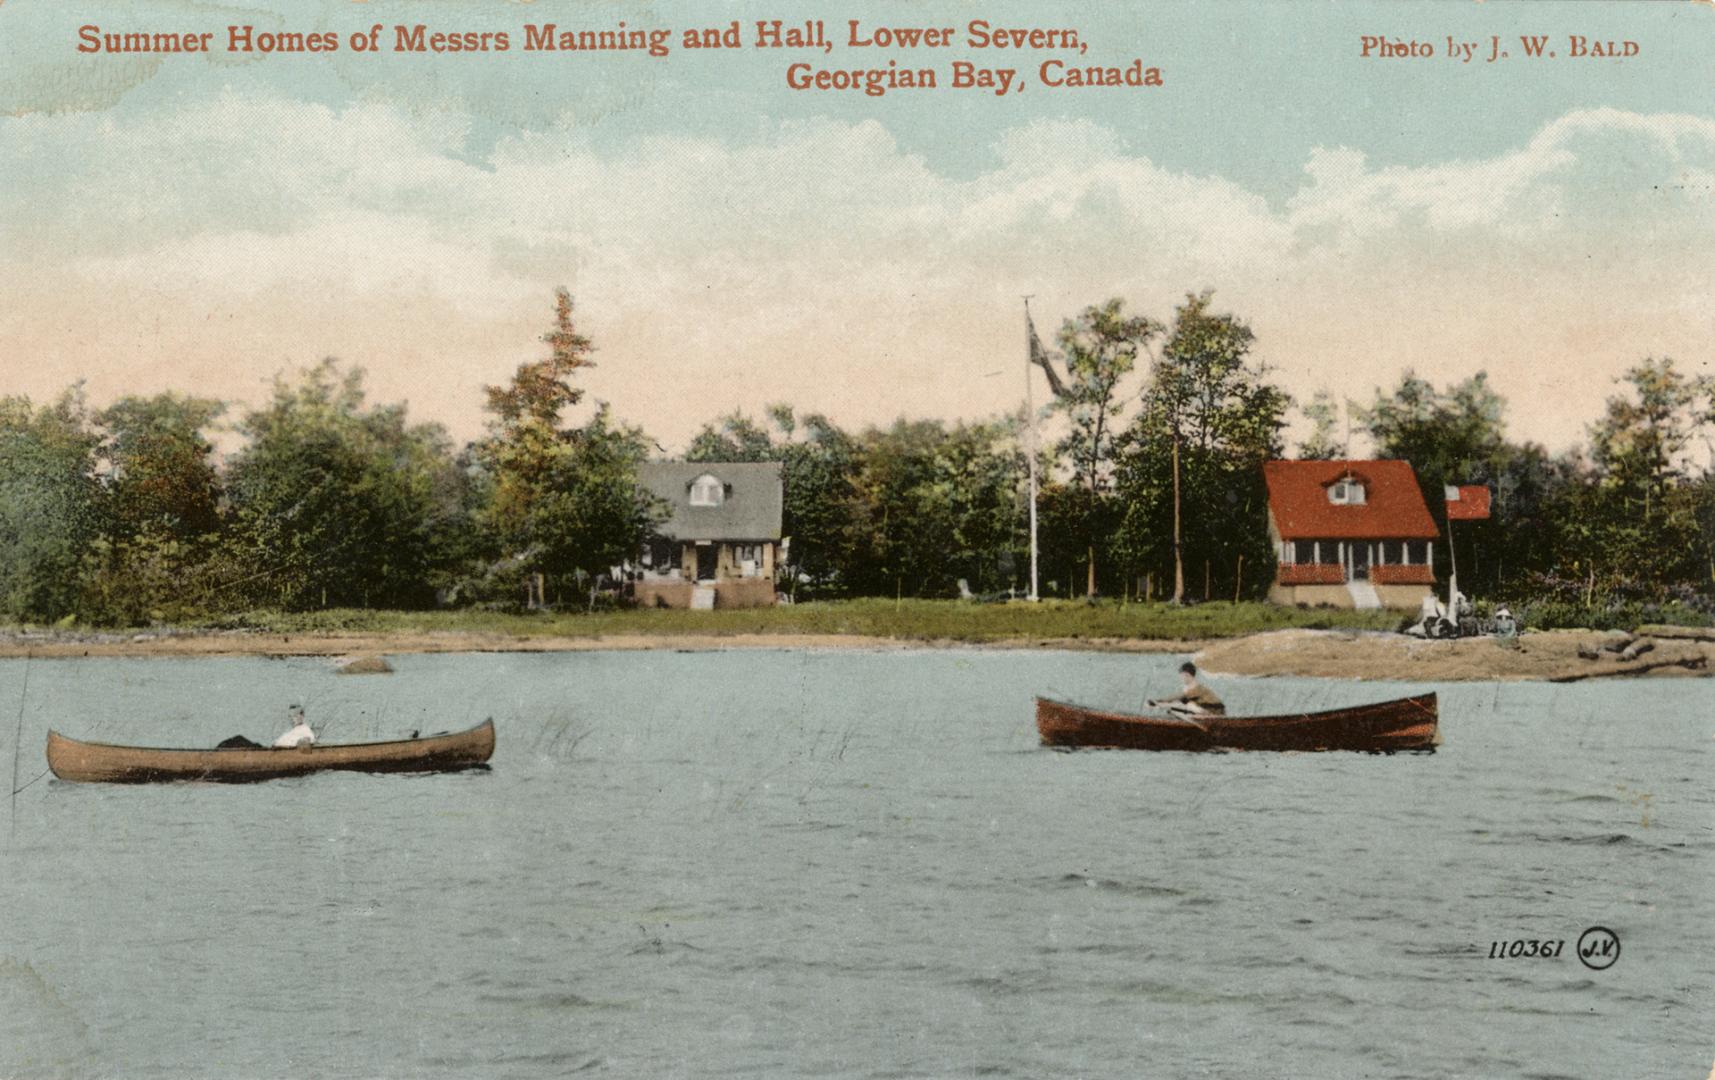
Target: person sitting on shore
point(301, 733)
point(1194, 699)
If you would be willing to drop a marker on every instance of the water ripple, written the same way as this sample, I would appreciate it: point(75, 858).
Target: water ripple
point(852, 865)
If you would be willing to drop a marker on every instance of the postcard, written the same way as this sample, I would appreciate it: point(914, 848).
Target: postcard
point(868, 539)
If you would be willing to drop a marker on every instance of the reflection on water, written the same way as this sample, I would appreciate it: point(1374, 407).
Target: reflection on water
point(852, 864)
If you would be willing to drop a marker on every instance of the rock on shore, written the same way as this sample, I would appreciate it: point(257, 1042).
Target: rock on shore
point(365, 665)
point(1552, 656)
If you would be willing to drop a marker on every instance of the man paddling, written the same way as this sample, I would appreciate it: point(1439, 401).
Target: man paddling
point(1194, 699)
point(300, 735)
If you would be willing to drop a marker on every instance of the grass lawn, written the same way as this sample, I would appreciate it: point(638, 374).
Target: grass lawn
point(916, 620)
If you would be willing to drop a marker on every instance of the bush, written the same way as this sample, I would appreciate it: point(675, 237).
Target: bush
point(1613, 615)
point(1554, 602)
point(148, 580)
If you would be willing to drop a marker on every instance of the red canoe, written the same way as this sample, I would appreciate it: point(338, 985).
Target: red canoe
point(1409, 723)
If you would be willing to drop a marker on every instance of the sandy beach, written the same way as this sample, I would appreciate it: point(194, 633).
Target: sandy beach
point(1555, 656)
point(1548, 656)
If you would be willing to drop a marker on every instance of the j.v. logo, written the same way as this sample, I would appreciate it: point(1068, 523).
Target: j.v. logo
point(1598, 948)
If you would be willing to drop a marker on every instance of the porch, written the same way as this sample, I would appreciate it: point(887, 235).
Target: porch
point(705, 574)
point(1354, 573)
point(1335, 562)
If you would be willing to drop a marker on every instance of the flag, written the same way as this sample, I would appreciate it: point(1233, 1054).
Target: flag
point(1039, 357)
point(1467, 502)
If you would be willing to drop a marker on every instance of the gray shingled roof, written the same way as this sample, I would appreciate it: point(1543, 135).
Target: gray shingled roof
point(751, 510)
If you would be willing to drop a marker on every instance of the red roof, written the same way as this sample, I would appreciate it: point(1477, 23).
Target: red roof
point(1468, 502)
point(1393, 507)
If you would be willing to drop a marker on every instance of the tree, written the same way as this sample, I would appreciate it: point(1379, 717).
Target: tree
point(818, 461)
point(50, 504)
point(563, 500)
point(1450, 437)
point(1323, 443)
point(1531, 514)
point(1699, 498)
point(161, 479)
point(1062, 515)
point(1100, 348)
point(982, 471)
point(1641, 440)
point(929, 505)
point(338, 503)
point(900, 523)
point(161, 556)
point(1446, 435)
point(1647, 502)
point(590, 516)
point(1209, 421)
point(734, 437)
point(526, 440)
point(541, 389)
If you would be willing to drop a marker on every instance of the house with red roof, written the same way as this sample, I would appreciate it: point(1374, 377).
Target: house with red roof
point(1349, 534)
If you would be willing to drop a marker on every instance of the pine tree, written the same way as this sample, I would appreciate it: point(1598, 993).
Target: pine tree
point(564, 499)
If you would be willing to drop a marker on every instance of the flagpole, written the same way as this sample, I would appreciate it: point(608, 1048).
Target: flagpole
point(1030, 418)
point(1453, 578)
point(1449, 495)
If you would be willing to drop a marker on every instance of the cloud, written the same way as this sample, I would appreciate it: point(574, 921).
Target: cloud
point(1592, 172)
point(209, 245)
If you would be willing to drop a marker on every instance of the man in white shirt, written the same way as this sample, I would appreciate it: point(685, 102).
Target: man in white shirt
point(300, 735)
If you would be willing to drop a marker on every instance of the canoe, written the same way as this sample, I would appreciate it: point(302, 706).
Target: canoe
point(90, 762)
point(1409, 723)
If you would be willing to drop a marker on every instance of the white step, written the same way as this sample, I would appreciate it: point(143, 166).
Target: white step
point(1363, 595)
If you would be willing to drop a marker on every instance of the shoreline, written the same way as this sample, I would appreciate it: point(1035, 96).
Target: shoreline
point(332, 644)
point(1549, 656)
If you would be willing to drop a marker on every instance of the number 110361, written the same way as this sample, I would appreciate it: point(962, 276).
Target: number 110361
point(1525, 949)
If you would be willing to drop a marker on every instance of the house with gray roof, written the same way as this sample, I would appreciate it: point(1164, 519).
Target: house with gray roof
point(720, 540)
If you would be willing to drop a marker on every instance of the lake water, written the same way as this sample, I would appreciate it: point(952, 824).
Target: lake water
point(853, 864)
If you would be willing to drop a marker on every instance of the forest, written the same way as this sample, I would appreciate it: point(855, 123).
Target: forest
point(128, 515)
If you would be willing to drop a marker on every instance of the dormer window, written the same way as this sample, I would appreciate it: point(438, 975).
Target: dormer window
point(707, 491)
point(1346, 492)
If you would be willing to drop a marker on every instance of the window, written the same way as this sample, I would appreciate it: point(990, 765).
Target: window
point(1304, 551)
point(1416, 552)
point(707, 491)
point(749, 559)
point(1346, 492)
point(660, 557)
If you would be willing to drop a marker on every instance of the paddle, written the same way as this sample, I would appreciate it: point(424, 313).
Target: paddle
point(1178, 718)
point(18, 741)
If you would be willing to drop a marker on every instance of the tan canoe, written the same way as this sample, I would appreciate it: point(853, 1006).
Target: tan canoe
point(103, 763)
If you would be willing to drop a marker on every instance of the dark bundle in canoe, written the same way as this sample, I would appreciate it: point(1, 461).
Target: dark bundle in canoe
point(90, 762)
point(1404, 724)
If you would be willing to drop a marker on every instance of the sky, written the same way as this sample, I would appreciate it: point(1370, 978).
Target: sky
point(204, 223)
